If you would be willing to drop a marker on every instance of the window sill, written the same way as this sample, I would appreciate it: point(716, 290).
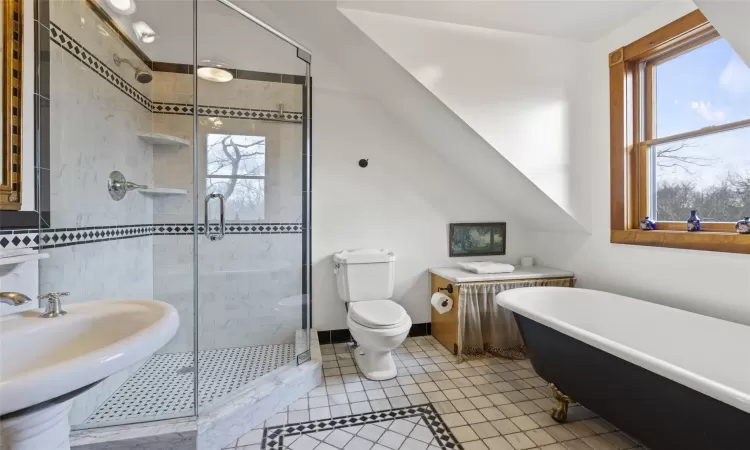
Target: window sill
point(703, 240)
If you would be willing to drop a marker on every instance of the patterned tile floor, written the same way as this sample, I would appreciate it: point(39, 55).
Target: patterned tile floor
point(490, 403)
point(163, 386)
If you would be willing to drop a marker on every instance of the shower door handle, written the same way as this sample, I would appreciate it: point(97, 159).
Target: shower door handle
point(220, 235)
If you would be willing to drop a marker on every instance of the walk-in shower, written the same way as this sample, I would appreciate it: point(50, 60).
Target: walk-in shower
point(213, 216)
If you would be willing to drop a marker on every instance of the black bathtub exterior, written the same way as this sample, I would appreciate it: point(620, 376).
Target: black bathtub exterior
point(660, 413)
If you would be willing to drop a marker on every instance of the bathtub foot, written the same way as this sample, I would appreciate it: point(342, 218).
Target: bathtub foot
point(560, 413)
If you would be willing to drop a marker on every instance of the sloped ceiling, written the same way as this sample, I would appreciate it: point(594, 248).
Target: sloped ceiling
point(731, 19)
point(569, 19)
point(517, 91)
point(469, 158)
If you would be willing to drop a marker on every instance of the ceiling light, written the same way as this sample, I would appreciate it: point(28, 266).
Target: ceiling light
point(214, 71)
point(144, 32)
point(124, 7)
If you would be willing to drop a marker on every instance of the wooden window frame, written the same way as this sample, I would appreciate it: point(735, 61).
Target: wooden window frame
point(631, 70)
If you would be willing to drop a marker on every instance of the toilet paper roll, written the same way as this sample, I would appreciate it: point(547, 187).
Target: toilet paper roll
point(441, 302)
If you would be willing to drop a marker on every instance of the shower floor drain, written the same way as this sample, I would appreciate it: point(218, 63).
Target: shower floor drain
point(163, 386)
point(185, 370)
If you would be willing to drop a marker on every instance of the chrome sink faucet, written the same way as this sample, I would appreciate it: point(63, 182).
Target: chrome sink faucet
point(54, 305)
point(13, 298)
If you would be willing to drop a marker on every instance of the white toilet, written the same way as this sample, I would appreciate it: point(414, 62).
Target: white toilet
point(365, 280)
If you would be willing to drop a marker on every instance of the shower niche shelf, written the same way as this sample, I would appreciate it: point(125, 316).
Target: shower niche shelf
point(163, 191)
point(163, 139)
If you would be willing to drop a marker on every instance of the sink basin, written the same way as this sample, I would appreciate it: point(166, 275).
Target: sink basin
point(42, 359)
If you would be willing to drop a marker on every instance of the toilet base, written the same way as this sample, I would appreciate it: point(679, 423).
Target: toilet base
point(375, 365)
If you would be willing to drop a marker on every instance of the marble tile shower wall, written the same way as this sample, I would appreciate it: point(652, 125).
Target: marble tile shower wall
point(93, 131)
point(249, 289)
point(249, 285)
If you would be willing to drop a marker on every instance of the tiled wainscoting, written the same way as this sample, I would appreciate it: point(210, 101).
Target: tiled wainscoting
point(433, 403)
point(63, 237)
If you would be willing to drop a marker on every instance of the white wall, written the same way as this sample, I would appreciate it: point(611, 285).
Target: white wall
point(731, 19)
point(403, 201)
point(715, 284)
point(514, 89)
point(410, 192)
point(337, 43)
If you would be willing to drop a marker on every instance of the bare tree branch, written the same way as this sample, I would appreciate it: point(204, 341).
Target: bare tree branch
point(669, 157)
point(226, 157)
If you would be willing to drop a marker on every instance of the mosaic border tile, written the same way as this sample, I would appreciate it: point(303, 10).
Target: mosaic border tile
point(487, 402)
point(226, 112)
point(78, 51)
point(63, 237)
point(231, 228)
point(19, 239)
point(273, 437)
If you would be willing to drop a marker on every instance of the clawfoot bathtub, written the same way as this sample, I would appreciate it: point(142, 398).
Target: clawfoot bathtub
point(672, 379)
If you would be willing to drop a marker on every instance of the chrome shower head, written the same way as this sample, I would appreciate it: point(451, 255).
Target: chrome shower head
point(142, 75)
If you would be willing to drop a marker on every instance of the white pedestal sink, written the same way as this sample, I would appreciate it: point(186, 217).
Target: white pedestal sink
point(45, 361)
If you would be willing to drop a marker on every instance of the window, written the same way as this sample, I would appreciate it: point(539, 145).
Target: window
point(680, 138)
point(236, 168)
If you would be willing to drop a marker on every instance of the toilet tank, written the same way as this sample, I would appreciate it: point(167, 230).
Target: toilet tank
point(364, 274)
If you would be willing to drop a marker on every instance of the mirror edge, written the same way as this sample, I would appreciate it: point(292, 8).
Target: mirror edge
point(12, 76)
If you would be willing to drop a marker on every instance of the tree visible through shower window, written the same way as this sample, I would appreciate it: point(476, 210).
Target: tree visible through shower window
point(236, 168)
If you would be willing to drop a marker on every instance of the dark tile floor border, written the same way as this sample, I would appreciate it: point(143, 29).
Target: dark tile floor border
point(343, 335)
point(273, 437)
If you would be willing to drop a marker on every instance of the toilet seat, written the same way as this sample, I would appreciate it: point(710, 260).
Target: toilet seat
point(378, 314)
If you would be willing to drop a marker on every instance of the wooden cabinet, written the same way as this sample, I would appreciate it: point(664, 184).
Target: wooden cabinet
point(445, 326)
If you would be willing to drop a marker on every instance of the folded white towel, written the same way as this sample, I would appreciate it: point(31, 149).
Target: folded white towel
point(486, 267)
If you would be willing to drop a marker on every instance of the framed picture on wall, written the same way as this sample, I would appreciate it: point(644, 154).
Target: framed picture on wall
point(477, 239)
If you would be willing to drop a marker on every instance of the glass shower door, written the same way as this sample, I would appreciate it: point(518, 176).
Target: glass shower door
point(116, 106)
point(251, 304)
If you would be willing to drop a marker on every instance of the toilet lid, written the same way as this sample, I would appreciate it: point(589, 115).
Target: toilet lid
point(377, 313)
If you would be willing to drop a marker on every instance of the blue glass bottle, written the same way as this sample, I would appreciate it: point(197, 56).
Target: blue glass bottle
point(647, 224)
point(694, 222)
point(743, 226)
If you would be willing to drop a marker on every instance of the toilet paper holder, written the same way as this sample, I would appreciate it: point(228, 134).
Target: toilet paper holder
point(449, 288)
